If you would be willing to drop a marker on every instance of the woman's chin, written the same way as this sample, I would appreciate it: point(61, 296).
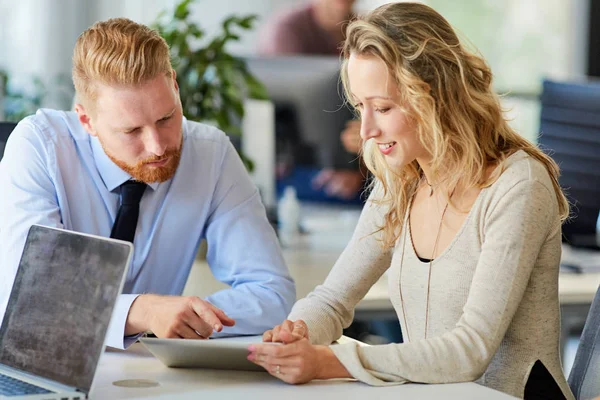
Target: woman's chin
point(395, 164)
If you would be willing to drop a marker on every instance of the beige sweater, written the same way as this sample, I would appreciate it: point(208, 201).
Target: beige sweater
point(494, 306)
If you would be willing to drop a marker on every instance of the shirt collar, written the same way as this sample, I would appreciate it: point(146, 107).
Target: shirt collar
point(112, 175)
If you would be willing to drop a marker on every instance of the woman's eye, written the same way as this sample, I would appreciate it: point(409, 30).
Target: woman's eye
point(382, 110)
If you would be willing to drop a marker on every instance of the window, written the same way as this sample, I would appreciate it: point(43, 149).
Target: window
point(523, 41)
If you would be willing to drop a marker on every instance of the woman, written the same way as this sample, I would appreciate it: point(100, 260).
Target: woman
point(465, 215)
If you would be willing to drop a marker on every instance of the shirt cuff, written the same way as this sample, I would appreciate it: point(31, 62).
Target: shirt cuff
point(115, 336)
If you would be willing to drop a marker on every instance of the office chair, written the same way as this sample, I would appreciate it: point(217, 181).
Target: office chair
point(5, 129)
point(584, 378)
point(570, 134)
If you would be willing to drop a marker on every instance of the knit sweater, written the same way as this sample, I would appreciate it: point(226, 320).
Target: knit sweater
point(493, 307)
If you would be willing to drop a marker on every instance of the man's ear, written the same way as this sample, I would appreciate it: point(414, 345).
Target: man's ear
point(85, 119)
point(175, 80)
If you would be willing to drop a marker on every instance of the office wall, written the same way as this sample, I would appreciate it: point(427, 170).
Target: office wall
point(37, 36)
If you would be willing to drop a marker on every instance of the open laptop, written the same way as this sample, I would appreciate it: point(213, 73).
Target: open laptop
point(58, 313)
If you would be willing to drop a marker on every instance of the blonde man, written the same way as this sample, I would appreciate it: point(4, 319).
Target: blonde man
point(127, 164)
point(465, 217)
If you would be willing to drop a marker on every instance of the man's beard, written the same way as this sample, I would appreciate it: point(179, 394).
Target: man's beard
point(142, 172)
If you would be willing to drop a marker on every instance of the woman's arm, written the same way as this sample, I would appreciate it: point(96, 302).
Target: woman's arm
point(514, 232)
point(330, 307)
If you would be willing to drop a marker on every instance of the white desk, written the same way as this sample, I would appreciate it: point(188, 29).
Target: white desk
point(175, 383)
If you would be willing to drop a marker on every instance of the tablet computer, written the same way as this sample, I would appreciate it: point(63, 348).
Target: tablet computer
point(222, 353)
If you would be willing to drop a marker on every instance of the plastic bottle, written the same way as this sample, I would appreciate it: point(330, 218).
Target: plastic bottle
point(288, 215)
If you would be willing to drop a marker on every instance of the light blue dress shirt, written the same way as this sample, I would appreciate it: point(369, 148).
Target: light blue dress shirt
point(54, 173)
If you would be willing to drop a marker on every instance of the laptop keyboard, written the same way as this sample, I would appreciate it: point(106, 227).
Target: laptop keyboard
point(14, 387)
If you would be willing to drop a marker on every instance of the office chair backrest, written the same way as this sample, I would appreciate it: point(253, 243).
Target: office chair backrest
point(585, 374)
point(570, 132)
point(5, 129)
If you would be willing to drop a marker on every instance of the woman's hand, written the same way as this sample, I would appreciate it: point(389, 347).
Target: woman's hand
point(287, 332)
point(297, 362)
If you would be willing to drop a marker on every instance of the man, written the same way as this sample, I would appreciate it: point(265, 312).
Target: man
point(129, 165)
point(318, 28)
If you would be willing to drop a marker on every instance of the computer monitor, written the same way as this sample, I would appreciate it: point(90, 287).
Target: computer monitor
point(310, 114)
point(570, 134)
point(308, 89)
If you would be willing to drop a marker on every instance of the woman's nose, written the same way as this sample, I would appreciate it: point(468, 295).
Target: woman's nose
point(368, 130)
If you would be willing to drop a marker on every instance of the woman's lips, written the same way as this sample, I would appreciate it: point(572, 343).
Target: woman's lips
point(386, 148)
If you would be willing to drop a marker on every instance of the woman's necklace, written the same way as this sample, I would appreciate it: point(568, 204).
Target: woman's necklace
point(437, 237)
point(430, 186)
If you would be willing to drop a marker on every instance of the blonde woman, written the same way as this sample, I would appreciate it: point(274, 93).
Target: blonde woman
point(465, 216)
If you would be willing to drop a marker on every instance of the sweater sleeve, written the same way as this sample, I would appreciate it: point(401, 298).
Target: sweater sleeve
point(514, 231)
point(330, 307)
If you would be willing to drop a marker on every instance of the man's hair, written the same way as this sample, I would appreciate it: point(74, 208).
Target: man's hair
point(447, 90)
point(117, 51)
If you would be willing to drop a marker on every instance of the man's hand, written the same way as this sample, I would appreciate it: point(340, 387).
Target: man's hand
point(186, 317)
point(287, 332)
point(343, 183)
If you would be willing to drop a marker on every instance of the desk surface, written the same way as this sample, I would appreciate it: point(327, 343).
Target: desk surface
point(328, 231)
point(138, 363)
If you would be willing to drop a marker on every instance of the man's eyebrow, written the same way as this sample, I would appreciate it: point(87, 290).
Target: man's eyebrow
point(165, 116)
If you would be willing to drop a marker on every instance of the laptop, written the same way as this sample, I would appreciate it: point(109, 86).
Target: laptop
point(58, 313)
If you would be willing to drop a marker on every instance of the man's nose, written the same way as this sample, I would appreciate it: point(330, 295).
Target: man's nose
point(154, 143)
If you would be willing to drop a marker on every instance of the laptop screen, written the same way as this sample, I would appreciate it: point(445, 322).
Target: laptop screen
point(61, 304)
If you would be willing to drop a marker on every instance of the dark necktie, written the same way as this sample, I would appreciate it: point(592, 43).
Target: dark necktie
point(127, 216)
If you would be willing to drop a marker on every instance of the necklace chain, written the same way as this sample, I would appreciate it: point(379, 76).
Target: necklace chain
point(437, 237)
point(430, 186)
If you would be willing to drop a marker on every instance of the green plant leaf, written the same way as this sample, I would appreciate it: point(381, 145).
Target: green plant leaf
point(248, 22)
point(182, 10)
point(256, 90)
point(212, 82)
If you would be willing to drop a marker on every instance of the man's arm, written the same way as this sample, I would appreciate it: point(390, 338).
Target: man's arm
point(244, 253)
point(28, 197)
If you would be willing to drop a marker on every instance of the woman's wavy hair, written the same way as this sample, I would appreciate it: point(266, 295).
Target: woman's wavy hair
point(447, 90)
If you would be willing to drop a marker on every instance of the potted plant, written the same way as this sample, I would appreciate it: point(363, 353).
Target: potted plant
point(212, 82)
